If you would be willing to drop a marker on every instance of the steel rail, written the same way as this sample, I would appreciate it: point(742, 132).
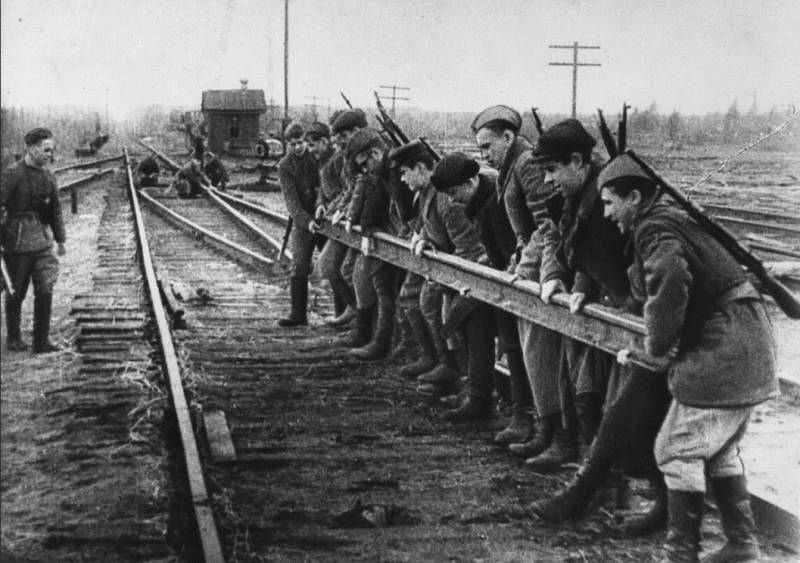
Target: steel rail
point(245, 254)
point(757, 224)
point(222, 199)
point(743, 212)
point(76, 183)
point(206, 527)
point(92, 164)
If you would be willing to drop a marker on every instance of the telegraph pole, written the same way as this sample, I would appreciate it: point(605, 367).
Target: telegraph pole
point(394, 95)
point(574, 64)
point(285, 68)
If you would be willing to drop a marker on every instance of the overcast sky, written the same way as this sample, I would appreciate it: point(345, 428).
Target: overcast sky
point(690, 55)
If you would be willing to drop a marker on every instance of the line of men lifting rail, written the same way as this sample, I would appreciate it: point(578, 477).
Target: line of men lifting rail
point(557, 214)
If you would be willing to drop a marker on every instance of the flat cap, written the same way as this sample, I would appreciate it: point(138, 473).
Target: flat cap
point(504, 114)
point(318, 130)
point(408, 154)
point(623, 166)
point(563, 139)
point(349, 119)
point(33, 136)
point(293, 130)
point(361, 140)
point(454, 169)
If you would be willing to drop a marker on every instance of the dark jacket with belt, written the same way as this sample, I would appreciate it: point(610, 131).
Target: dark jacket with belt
point(29, 197)
point(492, 223)
point(299, 179)
point(697, 300)
point(586, 250)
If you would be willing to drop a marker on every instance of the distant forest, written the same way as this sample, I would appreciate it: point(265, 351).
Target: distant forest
point(648, 127)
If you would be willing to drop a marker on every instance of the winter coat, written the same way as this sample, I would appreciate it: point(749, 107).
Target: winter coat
point(586, 250)
point(299, 180)
point(697, 300)
point(491, 220)
point(29, 198)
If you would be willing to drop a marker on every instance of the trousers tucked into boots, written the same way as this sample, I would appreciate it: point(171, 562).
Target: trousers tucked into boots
point(344, 302)
point(521, 426)
point(733, 502)
point(14, 340)
point(378, 347)
point(683, 528)
point(42, 311)
point(298, 289)
point(427, 358)
point(541, 439)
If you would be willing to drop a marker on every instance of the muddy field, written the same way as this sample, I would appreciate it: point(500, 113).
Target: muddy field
point(37, 499)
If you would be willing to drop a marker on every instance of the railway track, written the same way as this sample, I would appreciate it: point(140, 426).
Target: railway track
point(309, 455)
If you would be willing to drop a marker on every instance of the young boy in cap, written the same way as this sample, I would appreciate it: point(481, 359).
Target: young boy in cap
point(419, 299)
point(521, 188)
point(704, 315)
point(337, 260)
point(373, 279)
point(299, 179)
point(446, 228)
point(30, 215)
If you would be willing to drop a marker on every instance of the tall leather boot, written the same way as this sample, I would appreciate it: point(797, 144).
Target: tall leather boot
point(298, 288)
point(563, 449)
point(521, 426)
point(683, 529)
point(738, 524)
point(576, 496)
point(589, 408)
point(655, 518)
point(378, 347)
point(406, 341)
point(362, 332)
point(427, 359)
point(342, 293)
point(541, 440)
point(14, 340)
point(480, 347)
point(42, 309)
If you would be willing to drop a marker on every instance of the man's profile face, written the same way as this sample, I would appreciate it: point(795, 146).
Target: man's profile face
point(621, 210)
point(493, 147)
point(318, 146)
point(462, 193)
point(41, 153)
point(344, 136)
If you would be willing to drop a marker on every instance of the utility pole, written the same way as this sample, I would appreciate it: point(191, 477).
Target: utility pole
point(394, 95)
point(285, 69)
point(314, 105)
point(574, 64)
point(108, 126)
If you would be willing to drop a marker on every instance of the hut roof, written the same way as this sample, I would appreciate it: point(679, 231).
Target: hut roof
point(234, 100)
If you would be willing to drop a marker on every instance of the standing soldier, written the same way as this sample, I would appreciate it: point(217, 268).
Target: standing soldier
point(299, 178)
point(703, 314)
point(215, 170)
point(31, 218)
point(521, 187)
point(329, 261)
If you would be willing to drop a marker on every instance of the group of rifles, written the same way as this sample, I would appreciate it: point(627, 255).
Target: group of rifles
point(597, 231)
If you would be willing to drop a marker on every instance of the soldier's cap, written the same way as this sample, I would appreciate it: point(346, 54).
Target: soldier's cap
point(623, 166)
point(318, 130)
point(349, 119)
point(561, 140)
point(454, 169)
point(407, 154)
point(33, 136)
point(293, 130)
point(361, 141)
point(508, 116)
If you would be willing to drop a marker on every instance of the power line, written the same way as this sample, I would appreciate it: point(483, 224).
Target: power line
point(574, 64)
point(314, 104)
point(394, 95)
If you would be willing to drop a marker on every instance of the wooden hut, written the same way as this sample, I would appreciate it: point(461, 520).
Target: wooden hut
point(232, 119)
